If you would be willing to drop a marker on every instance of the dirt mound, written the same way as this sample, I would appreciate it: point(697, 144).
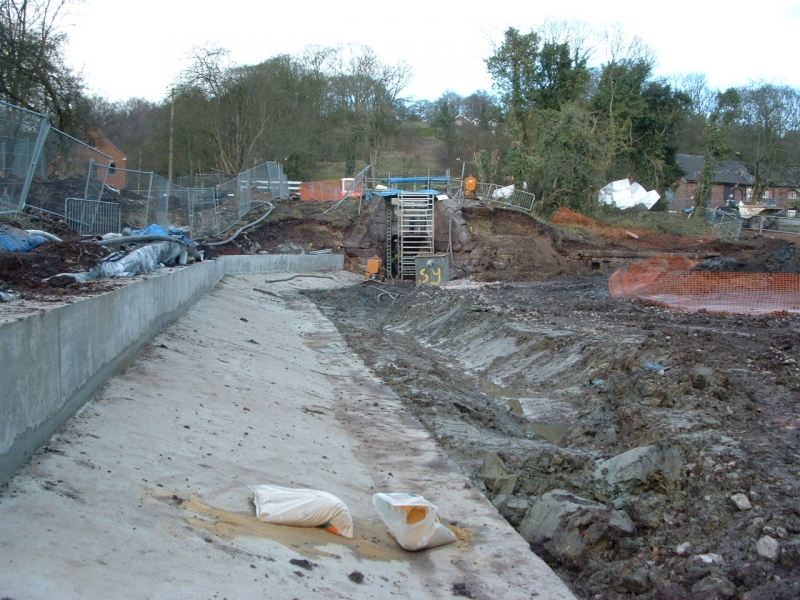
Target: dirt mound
point(767, 256)
point(24, 272)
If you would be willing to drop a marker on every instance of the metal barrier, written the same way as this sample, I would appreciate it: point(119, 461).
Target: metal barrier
point(786, 225)
point(202, 212)
point(69, 179)
point(22, 136)
point(66, 168)
point(727, 225)
point(92, 217)
point(510, 196)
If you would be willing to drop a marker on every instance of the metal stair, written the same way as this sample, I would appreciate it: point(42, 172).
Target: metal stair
point(415, 229)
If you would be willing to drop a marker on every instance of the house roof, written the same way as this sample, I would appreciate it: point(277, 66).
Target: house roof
point(728, 171)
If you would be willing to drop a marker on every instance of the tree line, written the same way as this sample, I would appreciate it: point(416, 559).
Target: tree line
point(557, 121)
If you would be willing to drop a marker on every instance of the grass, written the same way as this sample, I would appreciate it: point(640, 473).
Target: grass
point(665, 222)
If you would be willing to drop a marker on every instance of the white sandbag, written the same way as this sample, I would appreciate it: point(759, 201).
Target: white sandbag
point(302, 508)
point(412, 521)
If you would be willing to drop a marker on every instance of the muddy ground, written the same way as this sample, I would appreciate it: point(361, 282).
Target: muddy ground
point(529, 386)
point(676, 481)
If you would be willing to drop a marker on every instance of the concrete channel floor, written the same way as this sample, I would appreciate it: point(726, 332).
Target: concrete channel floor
point(144, 494)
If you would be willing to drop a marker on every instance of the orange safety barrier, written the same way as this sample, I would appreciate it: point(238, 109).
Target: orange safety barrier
point(668, 281)
point(321, 191)
point(327, 190)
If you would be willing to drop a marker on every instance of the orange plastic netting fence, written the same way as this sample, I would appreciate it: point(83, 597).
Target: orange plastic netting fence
point(327, 190)
point(668, 281)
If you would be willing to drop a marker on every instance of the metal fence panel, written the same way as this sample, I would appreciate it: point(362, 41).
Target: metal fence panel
point(92, 217)
point(22, 133)
point(71, 180)
point(64, 169)
point(727, 225)
point(508, 196)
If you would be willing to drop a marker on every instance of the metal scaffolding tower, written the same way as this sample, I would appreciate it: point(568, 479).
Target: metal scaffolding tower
point(415, 229)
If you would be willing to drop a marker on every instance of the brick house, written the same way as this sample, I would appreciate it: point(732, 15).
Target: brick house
point(732, 179)
point(115, 177)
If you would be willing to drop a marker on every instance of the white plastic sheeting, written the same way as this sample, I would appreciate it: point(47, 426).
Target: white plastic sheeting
point(142, 260)
point(624, 194)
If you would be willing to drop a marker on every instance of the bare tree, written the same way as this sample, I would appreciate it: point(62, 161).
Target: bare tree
point(32, 71)
point(227, 105)
point(367, 97)
point(768, 117)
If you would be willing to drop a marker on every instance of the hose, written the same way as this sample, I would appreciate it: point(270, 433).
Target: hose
point(190, 250)
point(153, 237)
point(44, 234)
point(248, 226)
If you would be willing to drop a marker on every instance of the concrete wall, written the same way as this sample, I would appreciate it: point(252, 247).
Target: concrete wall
point(282, 263)
point(54, 360)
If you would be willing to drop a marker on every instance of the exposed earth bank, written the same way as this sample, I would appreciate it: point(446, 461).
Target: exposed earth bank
point(643, 453)
point(678, 480)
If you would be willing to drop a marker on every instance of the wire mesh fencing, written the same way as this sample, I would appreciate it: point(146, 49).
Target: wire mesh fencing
point(145, 198)
point(66, 168)
point(22, 135)
point(92, 217)
point(670, 281)
point(46, 169)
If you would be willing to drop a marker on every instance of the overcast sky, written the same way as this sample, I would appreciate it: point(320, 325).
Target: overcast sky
point(137, 49)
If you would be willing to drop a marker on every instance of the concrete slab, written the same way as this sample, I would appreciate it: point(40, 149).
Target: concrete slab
point(143, 493)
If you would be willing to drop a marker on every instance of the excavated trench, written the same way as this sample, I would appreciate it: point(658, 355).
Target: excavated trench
point(627, 479)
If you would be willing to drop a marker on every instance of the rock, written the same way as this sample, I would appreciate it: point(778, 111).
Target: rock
point(565, 525)
point(504, 485)
point(741, 501)
point(492, 469)
point(636, 581)
point(512, 508)
point(641, 464)
point(702, 377)
point(684, 549)
point(710, 559)
point(647, 510)
point(713, 587)
point(769, 548)
point(621, 522)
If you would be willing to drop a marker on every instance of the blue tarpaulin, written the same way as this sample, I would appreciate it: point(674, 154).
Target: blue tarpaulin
point(174, 232)
point(390, 192)
point(18, 240)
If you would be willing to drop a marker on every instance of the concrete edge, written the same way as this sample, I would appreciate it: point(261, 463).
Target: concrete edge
point(46, 386)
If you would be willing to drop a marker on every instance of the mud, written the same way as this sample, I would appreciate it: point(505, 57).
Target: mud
point(529, 386)
point(535, 382)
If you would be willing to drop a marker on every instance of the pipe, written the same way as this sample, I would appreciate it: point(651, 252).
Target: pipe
point(248, 226)
point(44, 234)
point(136, 238)
point(191, 250)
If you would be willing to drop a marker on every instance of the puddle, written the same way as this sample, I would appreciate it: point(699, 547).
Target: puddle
point(370, 540)
point(495, 391)
point(552, 433)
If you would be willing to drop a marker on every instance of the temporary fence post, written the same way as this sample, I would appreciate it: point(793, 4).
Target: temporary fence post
point(37, 152)
point(149, 200)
